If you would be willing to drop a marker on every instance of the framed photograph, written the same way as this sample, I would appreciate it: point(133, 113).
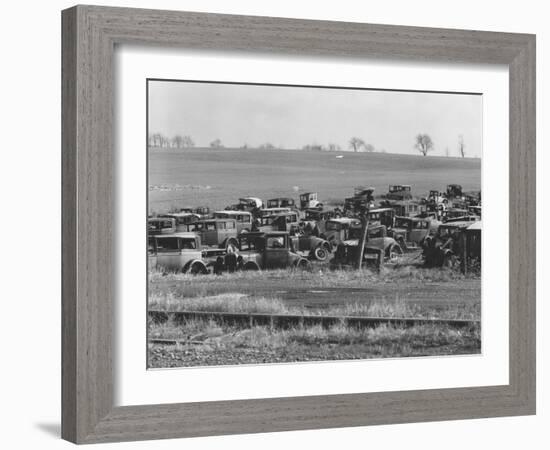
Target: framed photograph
point(277, 224)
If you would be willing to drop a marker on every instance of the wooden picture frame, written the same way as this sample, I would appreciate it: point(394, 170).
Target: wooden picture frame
point(90, 34)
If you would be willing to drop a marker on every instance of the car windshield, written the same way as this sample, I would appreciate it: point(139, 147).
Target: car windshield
point(402, 223)
point(376, 233)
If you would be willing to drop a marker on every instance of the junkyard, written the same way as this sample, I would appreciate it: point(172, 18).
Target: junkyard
point(380, 272)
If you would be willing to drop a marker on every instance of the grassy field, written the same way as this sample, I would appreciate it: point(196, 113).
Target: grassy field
point(218, 177)
point(405, 292)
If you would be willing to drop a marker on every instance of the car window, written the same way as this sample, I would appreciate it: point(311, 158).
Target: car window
point(188, 244)
point(168, 244)
point(275, 242)
point(230, 225)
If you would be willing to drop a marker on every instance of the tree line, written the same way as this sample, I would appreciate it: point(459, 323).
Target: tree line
point(423, 143)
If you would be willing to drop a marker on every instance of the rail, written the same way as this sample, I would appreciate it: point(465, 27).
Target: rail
point(291, 320)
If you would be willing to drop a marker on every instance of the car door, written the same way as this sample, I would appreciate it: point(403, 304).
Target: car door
point(276, 254)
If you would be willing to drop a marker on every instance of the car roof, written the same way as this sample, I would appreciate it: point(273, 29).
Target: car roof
point(232, 211)
point(345, 219)
point(413, 219)
point(180, 214)
point(183, 234)
point(263, 233)
point(216, 219)
point(380, 209)
point(463, 224)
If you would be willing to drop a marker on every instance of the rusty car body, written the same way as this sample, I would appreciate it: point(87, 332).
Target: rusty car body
point(177, 252)
point(161, 225)
point(273, 250)
point(244, 219)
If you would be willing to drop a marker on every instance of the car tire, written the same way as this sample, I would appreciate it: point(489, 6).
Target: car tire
point(320, 253)
point(303, 264)
point(251, 266)
point(198, 268)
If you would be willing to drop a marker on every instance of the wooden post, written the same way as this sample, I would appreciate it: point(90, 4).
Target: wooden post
point(363, 240)
point(464, 252)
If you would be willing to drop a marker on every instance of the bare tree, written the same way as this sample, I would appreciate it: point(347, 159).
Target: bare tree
point(369, 148)
point(267, 146)
point(447, 152)
point(333, 147)
point(216, 143)
point(156, 140)
point(188, 142)
point(461, 146)
point(177, 141)
point(356, 144)
point(424, 143)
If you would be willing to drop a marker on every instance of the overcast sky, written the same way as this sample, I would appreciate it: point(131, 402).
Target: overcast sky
point(292, 117)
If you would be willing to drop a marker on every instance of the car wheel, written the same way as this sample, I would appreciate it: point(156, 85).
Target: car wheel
point(198, 268)
point(320, 253)
point(251, 266)
point(303, 264)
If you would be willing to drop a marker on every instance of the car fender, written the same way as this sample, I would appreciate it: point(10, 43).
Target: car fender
point(191, 262)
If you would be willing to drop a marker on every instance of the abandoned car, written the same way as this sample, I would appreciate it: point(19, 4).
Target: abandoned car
point(177, 252)
point(244, 219)
point(281, 202)
point(220, 233)
point(183, 219)
point(161, 225)
point(379, 249)
point(399, 192)
point(308, 200)
point(287, 221)
point(454, 243)
point(410, 232)
point(268, 251)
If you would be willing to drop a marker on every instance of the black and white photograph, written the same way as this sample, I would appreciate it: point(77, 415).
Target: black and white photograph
point(291, 224)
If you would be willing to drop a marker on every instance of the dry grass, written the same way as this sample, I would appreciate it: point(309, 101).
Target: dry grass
point(242, 303)
point(206, 343)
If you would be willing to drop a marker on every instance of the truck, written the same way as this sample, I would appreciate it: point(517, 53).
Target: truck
point(309, 200)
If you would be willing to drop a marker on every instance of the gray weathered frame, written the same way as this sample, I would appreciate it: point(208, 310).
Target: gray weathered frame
point(89, 36)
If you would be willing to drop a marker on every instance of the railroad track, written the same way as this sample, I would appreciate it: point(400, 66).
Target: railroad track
point(293, 320)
